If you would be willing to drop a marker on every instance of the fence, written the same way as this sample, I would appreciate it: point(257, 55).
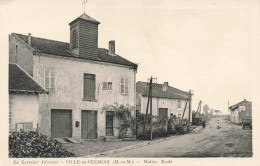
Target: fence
point(162, 127)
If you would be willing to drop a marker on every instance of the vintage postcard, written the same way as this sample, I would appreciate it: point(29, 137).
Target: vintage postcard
point(149, 82)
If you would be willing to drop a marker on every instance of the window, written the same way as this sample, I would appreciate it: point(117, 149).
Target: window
point(89, 86)
point(107, 86)
point(74, 39)
point(26, 126)
point(179, 103)
point(123, 86)
point(49, 78)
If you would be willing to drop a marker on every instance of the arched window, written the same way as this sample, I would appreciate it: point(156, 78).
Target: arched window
point(74, 39)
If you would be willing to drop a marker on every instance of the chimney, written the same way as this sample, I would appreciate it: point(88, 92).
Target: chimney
point(165, 86)
point(111, 47)
point(29, 38)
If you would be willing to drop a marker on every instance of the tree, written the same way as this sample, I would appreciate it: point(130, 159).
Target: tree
point(205, 109)
point(217, 112)
point(211, 111)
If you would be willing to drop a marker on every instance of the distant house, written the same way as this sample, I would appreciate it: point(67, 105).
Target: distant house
point(241, 111)
point(80, 77)
point(167, 101)
point(24, 94)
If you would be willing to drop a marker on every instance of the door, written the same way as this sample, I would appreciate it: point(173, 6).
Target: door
point(109, 123)
point(88, 124)
point(163, 112)
point(61, 123)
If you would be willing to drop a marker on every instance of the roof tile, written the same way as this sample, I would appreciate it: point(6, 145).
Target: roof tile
point(62, 49)
point(20, 81)
point(170, 93)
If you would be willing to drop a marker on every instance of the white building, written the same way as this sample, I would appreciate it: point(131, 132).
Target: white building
point(166, 100)
point(23, 100)
point(241, 111)
point(80, 77)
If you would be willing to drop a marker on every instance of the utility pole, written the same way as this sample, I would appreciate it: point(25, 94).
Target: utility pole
point(186, 105)
point(149, 94)
point(151, 109)
point(188, 126)
point(149, 101)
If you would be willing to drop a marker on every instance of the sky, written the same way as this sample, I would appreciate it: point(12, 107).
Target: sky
point(205, 47)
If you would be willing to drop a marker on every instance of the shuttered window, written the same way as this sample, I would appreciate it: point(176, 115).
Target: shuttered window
point(179, 103)
point(49, 78)
point(123, 86)
point(104, 86)
point(89, 86)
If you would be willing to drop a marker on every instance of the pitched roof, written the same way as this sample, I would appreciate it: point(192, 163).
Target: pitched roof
point(62, 49)
point(85, 17)
point(170, 93)
point(239, 104)
point(20, 81)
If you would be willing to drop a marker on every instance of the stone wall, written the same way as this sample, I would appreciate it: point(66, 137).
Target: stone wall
point(23, 109)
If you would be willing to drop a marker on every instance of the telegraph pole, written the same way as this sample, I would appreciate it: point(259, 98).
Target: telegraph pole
point(188, 126)
point(149, 93)
point(151, 110)
point(149, 101)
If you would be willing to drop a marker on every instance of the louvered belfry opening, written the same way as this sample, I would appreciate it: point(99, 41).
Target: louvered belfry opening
point(84, 36)
point(74, 39)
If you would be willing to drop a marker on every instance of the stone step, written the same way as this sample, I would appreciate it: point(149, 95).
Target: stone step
point(73, 140)
point(129, 139)
point(110, 138)
point(61, 140)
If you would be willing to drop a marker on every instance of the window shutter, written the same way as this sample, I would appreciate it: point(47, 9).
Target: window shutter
point(179, 103)
point(126, 86)
point(89, 86)
point(46, 78)
point(122, 86)
point(52, 79)
point(119, 85)
point(105, 86)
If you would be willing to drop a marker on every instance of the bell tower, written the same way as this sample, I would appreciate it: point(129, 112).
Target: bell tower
point(84, 36)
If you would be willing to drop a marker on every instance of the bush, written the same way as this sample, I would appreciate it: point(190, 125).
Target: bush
point(123, 115)
point(179, 128)
point(171, 127)
point(32, 144)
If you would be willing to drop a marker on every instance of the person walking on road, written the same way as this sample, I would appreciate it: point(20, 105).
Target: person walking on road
point(203, 124)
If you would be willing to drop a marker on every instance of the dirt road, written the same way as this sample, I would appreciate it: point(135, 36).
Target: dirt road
point(227, 140)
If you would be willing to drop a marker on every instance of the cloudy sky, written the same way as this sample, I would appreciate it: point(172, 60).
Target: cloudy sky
point(206, 46)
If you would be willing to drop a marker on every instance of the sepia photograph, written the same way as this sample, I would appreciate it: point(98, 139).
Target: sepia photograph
point(143, 80)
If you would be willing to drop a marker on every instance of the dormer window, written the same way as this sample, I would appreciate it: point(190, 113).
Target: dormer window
point(74, 39)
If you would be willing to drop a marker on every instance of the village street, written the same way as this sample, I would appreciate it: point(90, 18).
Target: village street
point(227, 140)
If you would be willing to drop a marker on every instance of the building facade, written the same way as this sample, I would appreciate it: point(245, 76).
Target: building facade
point(81, 79)
point(24, 94)
point(241, 111)
point(166, 100)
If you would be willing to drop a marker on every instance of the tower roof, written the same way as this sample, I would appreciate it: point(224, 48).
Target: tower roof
point(85, 17)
